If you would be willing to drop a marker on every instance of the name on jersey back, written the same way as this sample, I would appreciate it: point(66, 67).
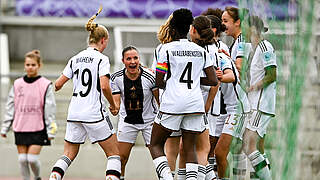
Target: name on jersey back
point(187, 53)
point(84, 60)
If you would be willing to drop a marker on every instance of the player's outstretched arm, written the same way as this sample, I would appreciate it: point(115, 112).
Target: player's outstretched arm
point(227, 76)
point(211, 77)
point(105, 87)
point(156, 95)
point(270, 77)
point(160, 83)
point(117, 101)
point(212, 94)
point(60, 82)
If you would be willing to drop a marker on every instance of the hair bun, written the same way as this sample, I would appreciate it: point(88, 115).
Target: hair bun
point(36, 51)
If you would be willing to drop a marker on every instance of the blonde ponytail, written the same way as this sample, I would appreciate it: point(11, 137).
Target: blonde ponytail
point(96, 31)
point(90, 26)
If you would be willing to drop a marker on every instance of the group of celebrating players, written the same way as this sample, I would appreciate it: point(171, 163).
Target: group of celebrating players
point(200, 99)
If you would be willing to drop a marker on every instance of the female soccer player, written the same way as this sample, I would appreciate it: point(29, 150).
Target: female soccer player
point(202, 34)
point(231, 21)
point(216, 24)
point(172, 143)
point(182, 62)
point(87, 116)
point(261, 93)
point(31, 110)
point(134, 90)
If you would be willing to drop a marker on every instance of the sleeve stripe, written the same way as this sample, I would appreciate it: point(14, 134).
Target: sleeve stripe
point(152, 80)
point(148, 74)
point(117, 92)
point(116, 74)
point(263, 47)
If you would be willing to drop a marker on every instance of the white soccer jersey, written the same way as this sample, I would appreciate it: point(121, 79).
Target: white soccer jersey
point(154, 64)
point(234, 99)
point(138, 104)
point(222, 45)
point(239, 48)
point(224, 62)
point(264, 99)
point(220, 60)
point(186, 61)
point(156, 57)
point(84, 69)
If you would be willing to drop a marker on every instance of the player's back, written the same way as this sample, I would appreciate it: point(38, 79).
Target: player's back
point(186, 62)
point(86, 103)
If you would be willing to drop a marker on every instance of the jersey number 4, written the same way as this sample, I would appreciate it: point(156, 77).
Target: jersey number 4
point(86, 83)
point(187, 70)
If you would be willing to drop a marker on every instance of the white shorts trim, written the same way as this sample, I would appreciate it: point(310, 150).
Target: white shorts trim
point(259, 122)
point(77, 132)
point(128, 132)
point(176, 134)
point(190, 122)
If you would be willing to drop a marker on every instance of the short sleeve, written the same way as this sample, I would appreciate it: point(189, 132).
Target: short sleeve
point(151, 79)
point(162, 61)
point(162, 56)
point(214, 58)
point(269, 58)
point(68, 72)
point(243, 50)
point(114, 86)
point(208, 61)
point(155, 57)
point(104, 67)
point(225, 63)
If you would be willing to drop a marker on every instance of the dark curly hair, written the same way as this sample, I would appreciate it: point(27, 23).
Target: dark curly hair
point(180, 23)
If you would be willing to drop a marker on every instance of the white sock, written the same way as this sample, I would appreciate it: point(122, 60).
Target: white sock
point(173, 173)
point(212, 161)
point(60, 168)
point(201, 172)
point(113, 171)
point(181, 174)
point(210, 174)
point(191, 171)
point(253, 175)
point(34, 162)
point(260, 165)
point(24, 166)
point(162, 168)
point(239, 166)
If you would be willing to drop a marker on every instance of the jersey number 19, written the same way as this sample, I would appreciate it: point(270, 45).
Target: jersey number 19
point(87, 83)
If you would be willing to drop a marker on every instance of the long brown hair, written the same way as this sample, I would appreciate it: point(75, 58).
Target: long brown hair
point(203, 26)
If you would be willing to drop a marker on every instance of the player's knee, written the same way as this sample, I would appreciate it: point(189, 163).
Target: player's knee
point(22, 158)
point(220, 153)
point(32, 158)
